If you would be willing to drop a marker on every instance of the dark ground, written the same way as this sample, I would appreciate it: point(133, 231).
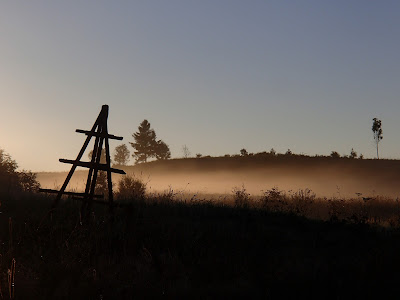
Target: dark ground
point(164, 249)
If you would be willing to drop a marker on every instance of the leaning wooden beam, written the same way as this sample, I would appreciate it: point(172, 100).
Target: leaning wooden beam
point(86, 205)
point(103, 135)
point(95, 166)
point(50, 191)
point(90, 173)
point(108, 162)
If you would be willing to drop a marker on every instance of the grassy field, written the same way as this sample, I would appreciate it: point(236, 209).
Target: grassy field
point(174, 246)
point(241, 237)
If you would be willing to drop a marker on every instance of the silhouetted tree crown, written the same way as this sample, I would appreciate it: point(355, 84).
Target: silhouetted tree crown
point(334, 154)
point(121, 155)
point(162, 150)
point(146, 144)
point(377, 131)
point(243, 152)
point(353, 154)
point(11, 179)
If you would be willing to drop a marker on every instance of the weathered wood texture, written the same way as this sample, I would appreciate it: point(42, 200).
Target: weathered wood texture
point(95, 166)
point(90, 133)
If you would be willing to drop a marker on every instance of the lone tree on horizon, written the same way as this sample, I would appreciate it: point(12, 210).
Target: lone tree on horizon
point(377, 130)
point(185, 151)
point(146, 144)
point(121, 155)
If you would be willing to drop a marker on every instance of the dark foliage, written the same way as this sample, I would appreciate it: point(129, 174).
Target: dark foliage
point(121, 155)
point(130, 187)
point(377, 131)
point(161, 150)
point(146, 145)
point(243, 152)
point(353, 154)
point(12, 180)
point(334, 154)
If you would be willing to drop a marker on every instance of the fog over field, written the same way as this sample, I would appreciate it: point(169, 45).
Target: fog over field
point(326, 177)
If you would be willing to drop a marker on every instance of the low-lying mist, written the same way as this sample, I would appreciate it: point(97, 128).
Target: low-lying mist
point(325, 177)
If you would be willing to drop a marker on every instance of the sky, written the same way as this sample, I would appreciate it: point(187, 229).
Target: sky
point(216, 76)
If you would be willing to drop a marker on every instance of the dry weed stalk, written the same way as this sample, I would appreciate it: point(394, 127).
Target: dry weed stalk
point(11, 279)
point(1, 260)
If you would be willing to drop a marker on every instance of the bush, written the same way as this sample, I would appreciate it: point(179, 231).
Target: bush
point(130, 187)
point(274, 200)
point(11, 180)
point(28, 182)
point(166, 197)
point(241, 197)
point(335, 154)
point(302, 201)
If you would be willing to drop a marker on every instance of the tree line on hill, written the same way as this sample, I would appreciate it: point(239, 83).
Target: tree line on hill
point(147, 146)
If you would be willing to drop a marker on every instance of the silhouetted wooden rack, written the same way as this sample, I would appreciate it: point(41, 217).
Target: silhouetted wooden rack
point(100, 132)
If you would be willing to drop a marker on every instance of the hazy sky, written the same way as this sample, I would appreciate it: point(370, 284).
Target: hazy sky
point(214, 75)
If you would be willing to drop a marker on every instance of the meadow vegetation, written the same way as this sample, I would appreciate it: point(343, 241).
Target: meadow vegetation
point(174, 244)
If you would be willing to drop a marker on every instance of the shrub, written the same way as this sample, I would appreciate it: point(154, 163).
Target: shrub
point(336, 209)
point(353, 154)
point(28, 182)
point(12, 180)
point(289, 152)
point(241, 197)
point(166, 197)
point(302, 200)
point(274, 200)
point(243, 152)
point(130, 187)
point(334, 154)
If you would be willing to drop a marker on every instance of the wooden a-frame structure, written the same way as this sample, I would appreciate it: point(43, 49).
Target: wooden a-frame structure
point(100, 132)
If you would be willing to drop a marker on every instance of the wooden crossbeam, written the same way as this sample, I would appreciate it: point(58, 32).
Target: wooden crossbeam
point(97, 134)
point(90, 165)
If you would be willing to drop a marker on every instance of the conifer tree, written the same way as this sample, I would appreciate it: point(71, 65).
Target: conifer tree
point(146, 145)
